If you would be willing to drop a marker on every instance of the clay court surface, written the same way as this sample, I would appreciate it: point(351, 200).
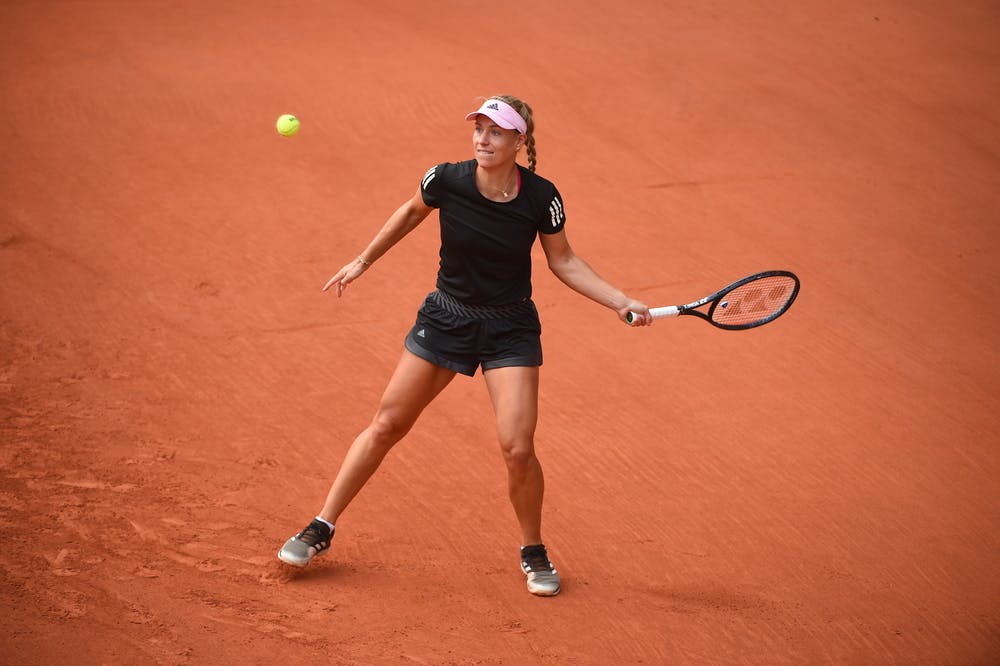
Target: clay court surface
point(176, 393)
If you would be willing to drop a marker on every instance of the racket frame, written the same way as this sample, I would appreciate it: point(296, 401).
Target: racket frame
point(717, 298)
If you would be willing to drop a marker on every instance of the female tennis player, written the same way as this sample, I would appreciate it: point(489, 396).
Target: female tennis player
point(480, 315)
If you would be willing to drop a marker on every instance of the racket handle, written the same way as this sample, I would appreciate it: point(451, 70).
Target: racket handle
point(657, 313)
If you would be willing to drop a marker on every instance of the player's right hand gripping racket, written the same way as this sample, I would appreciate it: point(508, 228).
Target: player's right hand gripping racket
point(753, 301)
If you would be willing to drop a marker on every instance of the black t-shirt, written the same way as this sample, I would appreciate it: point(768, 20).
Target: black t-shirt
point(486, 245)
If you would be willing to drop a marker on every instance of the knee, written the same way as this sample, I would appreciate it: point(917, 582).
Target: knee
point(519, 455)
point(386, 429)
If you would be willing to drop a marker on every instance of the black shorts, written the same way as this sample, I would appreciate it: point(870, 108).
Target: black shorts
point(461, 337)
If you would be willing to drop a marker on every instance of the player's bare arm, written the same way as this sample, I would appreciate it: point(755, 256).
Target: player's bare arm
point(577, 274)
point(405, 219)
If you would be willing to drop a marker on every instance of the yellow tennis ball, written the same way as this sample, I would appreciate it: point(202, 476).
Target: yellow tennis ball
point(287, 125)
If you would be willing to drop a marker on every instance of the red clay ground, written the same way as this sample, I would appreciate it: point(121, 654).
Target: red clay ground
point(176, 393)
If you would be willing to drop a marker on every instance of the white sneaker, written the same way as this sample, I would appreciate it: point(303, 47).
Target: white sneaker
point(543, 579)
point(307, 544)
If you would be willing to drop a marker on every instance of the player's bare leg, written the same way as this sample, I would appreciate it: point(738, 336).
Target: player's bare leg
point(514, 394)
point(414, 384)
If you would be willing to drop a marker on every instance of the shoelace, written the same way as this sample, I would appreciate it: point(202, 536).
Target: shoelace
point(536, 559)
point(314, 534)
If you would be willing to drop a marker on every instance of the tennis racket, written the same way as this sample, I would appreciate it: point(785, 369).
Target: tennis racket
point(753, 301)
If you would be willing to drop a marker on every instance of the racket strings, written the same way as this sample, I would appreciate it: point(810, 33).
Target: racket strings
point(755, 302)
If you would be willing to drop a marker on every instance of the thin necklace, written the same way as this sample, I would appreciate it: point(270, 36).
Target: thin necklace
point(509, 184)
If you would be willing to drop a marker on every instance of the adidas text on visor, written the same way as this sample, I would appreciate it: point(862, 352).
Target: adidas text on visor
point(502, 113)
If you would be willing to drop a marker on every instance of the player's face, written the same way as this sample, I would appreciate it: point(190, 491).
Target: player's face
point(492, 145)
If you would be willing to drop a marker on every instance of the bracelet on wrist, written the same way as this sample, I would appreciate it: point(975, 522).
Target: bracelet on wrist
point(364, 262)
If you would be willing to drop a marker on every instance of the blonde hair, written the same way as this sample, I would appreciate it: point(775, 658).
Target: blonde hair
point(522, 108)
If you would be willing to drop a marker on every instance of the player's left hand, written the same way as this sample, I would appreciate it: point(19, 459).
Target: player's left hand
point(640, 310)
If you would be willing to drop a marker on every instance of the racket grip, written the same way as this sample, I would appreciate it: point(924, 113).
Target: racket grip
point(657, 313)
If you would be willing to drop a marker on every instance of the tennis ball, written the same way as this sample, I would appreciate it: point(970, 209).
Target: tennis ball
point(287, 125)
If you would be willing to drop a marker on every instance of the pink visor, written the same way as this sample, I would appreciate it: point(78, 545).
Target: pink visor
point(502, 113)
